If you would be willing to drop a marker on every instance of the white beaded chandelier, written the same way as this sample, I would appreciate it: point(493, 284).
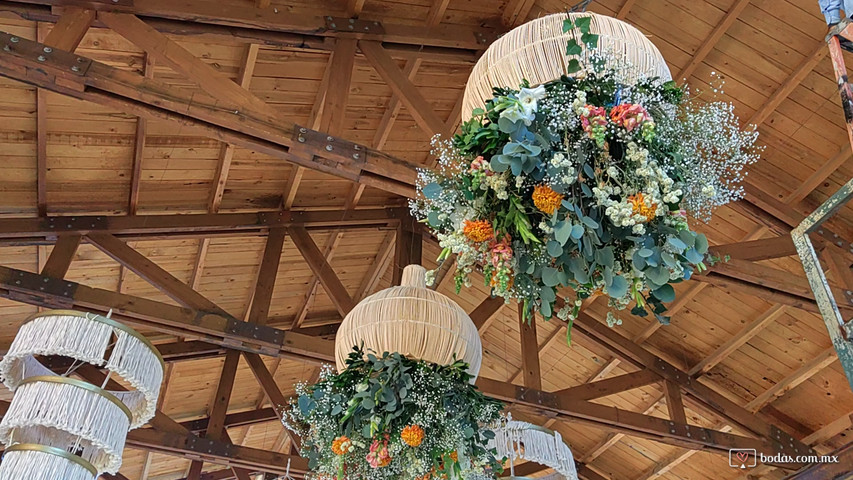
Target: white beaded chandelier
point(63, 428)
point(525, 441)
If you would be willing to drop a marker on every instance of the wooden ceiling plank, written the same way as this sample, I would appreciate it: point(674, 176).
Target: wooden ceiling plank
point(808, 370)
point(249, 127)
point(60, 258)
point(529, 349)
point(793, 81)
point(416, 105)
point(321, 268)
point(738, 340)
point(70, 28)
point(151, 272)
point(820, 175)
point(267, 273)
point(610, 386)
point(139, 145)
point(711, 41)
point(270, 388)
point(377, 267)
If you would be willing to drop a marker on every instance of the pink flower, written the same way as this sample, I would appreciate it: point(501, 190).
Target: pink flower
point(501, 252)
point(594, 120)
point(379, 455)
point(480, 164)
point(630, 116)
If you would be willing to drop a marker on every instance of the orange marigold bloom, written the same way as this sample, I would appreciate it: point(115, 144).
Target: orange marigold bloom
point(638, 202)
point(412, 435)
point(341, 445)
point(454, 456)
point(478, 230)
point(546, 199)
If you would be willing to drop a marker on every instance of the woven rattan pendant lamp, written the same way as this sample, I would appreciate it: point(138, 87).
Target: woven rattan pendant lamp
point(61, 427)
point(536, 52)
point(413, 320)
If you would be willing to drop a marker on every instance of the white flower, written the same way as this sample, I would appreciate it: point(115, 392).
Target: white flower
point(528, 97)
point(516, 112)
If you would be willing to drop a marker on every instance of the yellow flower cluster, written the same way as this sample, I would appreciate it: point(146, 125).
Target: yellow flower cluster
point(412, 435)
point(546, 199)
point(638, 202)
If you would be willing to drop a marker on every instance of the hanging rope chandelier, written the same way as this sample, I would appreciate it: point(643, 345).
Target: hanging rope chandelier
point(517, 440)
point(60, 427)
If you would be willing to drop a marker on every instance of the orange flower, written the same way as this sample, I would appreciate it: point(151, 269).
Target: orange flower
point(546, 199)
point(638, 201)
point(412, 435)
point(478, 230)
point(454, 456)
point(341, 445)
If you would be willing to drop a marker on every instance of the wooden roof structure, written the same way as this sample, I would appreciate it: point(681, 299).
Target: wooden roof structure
point(230, 178)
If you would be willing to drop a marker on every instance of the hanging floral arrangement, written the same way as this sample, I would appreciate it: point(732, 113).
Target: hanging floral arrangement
point(390, 417)
point(585, 182)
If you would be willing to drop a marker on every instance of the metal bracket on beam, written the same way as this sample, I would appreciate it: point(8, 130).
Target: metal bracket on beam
point(354, 25)
point(51, 292)
point(74, 224)
point(264, 334)
point(34, 51)
point(335, 153)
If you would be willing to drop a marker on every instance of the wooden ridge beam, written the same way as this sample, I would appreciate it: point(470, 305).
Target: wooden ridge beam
point(230, 119)
point(133, 227)
point(755, 250)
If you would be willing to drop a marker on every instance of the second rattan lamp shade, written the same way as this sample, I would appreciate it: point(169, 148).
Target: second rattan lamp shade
point(536, 52)
point(414, 321)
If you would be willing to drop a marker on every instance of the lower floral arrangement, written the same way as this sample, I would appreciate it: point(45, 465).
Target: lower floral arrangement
point(390, 417)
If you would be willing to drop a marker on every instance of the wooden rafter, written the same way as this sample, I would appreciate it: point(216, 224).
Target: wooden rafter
point(139, 145)
point(516, 12)
point(711, 41)
point(60, 258)
point(321, 268)
point(485, 312)
point(383, 131)
point(625, 9)
point(529, 350)
point(436, 12)
point(267, 273)
point(377, 267)
point(416, 105)
point(611, 386)
point(216, 117)
point(354, 7)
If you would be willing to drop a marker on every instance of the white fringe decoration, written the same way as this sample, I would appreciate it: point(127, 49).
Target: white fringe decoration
point(133, 360)
point(416, 322)
point(36, 465)
point(514, 439)
point(86, 338)
point(536, 51)
point(61, 415)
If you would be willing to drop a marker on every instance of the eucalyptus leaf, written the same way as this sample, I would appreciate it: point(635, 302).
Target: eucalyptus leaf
point(676, 243)
point(555, 249)
point(589, 222)
point(618, 288)
point(431, 190)
point(701, 244)
point(563, 231)
point(433, 220)
point(577, 231)
point(549, 276)
point(665, 293)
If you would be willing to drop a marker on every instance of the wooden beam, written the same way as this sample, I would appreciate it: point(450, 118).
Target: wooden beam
point(416, 105)
point(70, 29)
point(151, 272)
point(436, 12)
point(383, 131)
point(486, 311)
point(820, 175)
point(267, 273)
point(321, 268)
point(233, 420)
point(737, 341)
point(60, 258)
point(139, 145)
point(337, 93)
point(808, 370)
point(625, 9)
point(735, 286)
point(755, 250)
point(674, 403)
point(277, 399)
point(41, 142)
point(354, 7)
point(408, 249)
point(704, 395)
point(377, 267)
point(249, 127)
point(794, 79)
point(838, 470)
point(443, 269)
point(529, 350)
point(133, 227)
point(711, 41)
point(610, 386)
point(516, 12)
point(147, 314)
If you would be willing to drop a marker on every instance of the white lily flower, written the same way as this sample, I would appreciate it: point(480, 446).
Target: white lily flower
point(528, 97)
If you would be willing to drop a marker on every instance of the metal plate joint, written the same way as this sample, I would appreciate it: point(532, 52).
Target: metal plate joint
point(354, 25)
point(40, 54)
